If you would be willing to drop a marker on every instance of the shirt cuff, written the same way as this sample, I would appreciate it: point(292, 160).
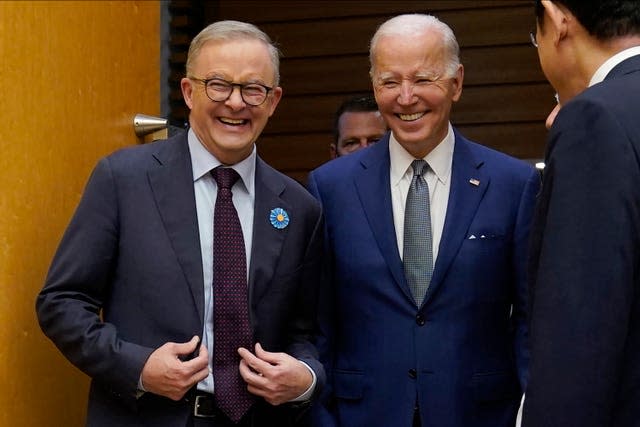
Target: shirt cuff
point(141, 389)
point(309, 392)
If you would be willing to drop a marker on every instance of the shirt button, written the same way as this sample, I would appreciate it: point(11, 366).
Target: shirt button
point(412, 373)
point(420, 319)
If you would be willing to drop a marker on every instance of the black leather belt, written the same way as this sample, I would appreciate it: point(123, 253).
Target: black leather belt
point(203, 405)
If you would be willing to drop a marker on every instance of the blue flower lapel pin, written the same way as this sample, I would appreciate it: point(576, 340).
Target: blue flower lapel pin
point(279, 218)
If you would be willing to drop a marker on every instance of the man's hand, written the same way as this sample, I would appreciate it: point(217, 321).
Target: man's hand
point(276, 377)
point(166, 375)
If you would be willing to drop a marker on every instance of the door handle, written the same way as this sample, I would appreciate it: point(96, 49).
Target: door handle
point(145, 126)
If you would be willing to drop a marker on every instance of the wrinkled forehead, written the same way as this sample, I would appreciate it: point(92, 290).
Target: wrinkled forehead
point(399, 57)
point(230, 57)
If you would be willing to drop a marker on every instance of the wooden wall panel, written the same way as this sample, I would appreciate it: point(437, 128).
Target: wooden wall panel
point(350, 73)
point(260, 11)
point(325, 45)
point(306, 151)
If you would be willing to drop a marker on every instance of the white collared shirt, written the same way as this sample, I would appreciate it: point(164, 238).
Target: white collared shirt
point(206, 191)
point(438, 178)
point(610, 64)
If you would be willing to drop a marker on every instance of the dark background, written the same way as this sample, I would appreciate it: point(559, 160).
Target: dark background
point(325, 45)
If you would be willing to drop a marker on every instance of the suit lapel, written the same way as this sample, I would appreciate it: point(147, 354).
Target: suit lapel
point(468, 185)
point(373, 187)
point(267, 240)
point(172, 186)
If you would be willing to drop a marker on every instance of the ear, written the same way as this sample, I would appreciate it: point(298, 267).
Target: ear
point(276, 95)
point(558, 20)
point(187, 91)
point(333, 151)
point(457, 80)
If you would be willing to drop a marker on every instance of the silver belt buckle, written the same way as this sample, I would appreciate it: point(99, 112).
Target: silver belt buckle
point(196, 409)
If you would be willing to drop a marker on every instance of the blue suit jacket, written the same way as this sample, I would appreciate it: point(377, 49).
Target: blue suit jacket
point(585, 365)
point(462, 353)
point(132, 254)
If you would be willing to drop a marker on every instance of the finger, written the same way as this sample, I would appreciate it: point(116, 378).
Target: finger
point(189, 347)
point(249, 374)
point(259, 366)
point(199, 361)
point(267, 356)
point(199, 375)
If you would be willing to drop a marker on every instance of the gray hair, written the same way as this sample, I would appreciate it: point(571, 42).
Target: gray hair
point(233, 30)
point(417, 24)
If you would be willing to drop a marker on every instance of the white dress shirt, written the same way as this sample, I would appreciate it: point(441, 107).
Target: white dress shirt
point(206, 191)
point(438, 178)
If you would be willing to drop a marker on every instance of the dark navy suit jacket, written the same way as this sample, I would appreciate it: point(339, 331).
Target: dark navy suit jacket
point(127, 277)
point(462, 353)
point(585, 367)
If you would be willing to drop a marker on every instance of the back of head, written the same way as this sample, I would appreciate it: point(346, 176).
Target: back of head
point(232, 30)
point(358, 104)
point(603, 19)
point(413, 25)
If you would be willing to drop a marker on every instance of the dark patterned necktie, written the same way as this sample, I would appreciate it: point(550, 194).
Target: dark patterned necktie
point(417, 256)
point(231, 303)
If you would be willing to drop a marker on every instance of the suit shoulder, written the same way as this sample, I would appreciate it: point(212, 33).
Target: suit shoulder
point(139, 158)
point(143, 151)
point(339, 168)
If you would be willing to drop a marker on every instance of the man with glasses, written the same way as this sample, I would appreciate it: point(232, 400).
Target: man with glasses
point(186, 282)
point(585, 258)
point(424, 314)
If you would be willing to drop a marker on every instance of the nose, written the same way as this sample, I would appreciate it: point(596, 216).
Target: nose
point(406, 93)
point(235, 100)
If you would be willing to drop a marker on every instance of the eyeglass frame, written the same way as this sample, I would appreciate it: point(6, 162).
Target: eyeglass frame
point(233, 85)
point(533, 38)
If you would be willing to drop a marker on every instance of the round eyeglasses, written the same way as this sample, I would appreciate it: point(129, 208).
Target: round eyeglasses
point(219, 90)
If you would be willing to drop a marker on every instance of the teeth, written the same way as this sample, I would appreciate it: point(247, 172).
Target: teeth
point(410, 117)
point(231, 121)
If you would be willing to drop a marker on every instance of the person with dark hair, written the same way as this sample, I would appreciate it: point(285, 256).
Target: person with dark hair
point(424, 311)
point(185, 285)
point(585, 254)
point(357, 125)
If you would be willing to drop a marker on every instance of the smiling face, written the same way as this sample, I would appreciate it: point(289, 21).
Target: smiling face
point(412, 88)
point(228, 129)
point(356, 130)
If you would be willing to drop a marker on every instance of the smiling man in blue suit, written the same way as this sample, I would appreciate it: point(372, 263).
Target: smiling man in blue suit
point(426, 234)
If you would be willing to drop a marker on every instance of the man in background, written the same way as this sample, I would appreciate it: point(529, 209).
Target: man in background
point(357, 125)
point(194, 239)
point(424, 310)
point(585, 259)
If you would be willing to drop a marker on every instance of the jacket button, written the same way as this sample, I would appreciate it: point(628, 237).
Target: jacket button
point(412, 373)
point(420, 319)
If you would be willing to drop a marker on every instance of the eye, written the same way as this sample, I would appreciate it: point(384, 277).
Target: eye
point(253, 90)
point(389, 84)
point(218, 85)
point(425, 81)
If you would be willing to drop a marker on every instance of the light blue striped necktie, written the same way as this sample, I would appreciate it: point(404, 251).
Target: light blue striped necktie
point(418, 250)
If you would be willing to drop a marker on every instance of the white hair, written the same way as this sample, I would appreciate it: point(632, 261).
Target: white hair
point(414, 25)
